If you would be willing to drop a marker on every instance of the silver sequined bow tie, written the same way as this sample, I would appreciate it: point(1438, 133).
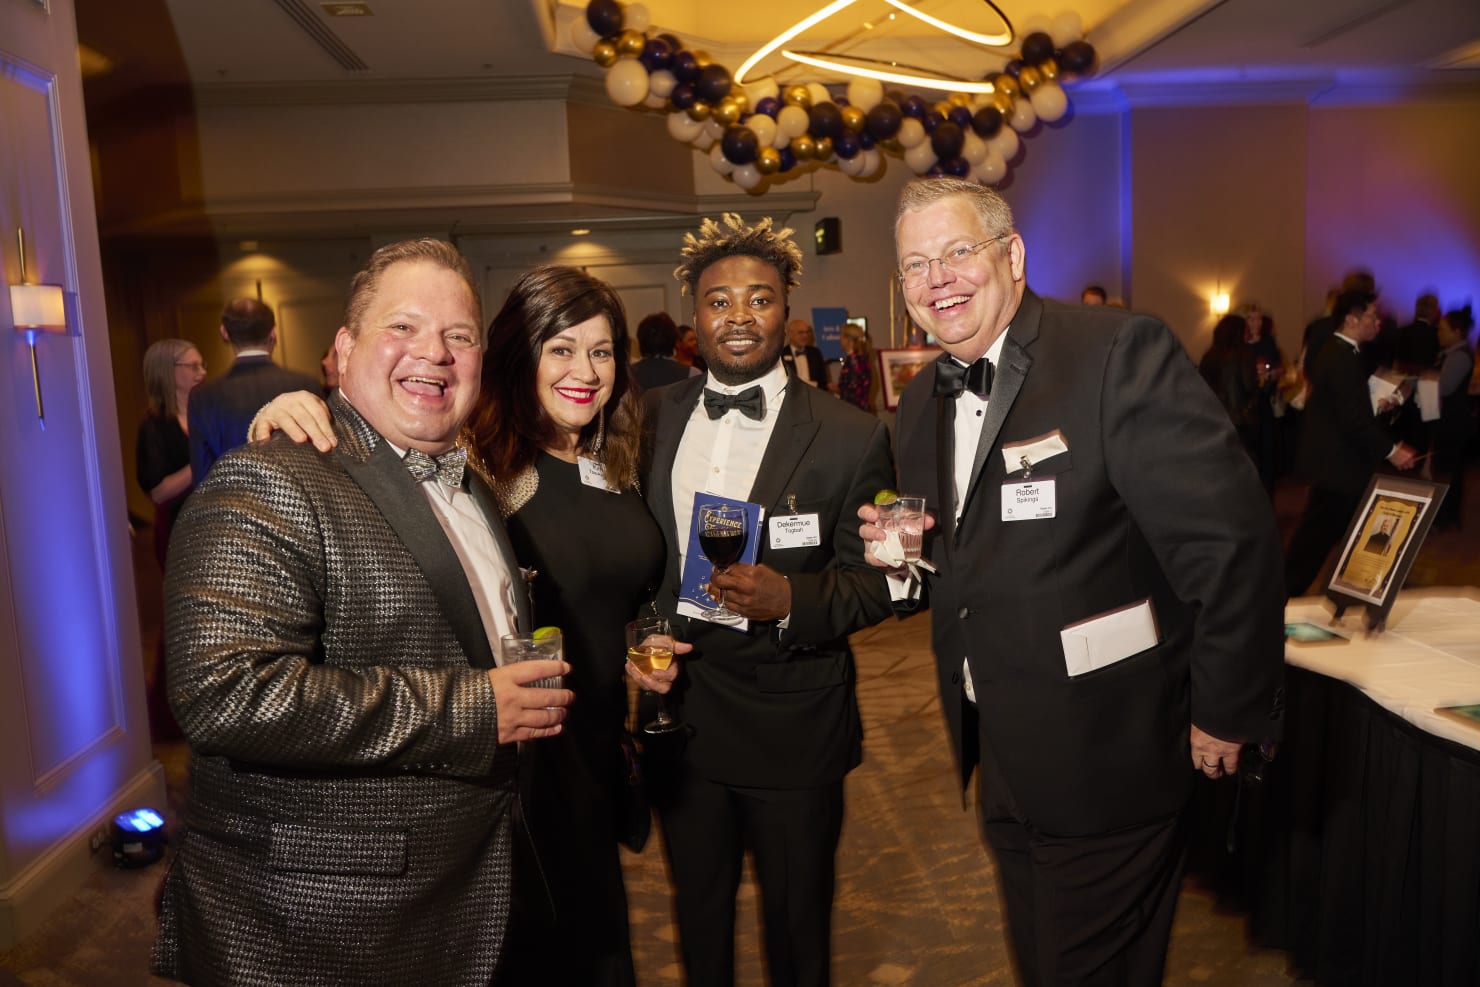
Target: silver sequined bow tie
point(447, 467)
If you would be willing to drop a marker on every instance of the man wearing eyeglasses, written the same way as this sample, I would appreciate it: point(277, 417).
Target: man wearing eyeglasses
point(1107, 614)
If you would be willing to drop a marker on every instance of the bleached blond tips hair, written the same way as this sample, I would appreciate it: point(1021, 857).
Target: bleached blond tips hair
point(731, 237)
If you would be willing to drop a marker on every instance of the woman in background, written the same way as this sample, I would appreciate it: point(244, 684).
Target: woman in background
point(856, 382)
point(172, 369)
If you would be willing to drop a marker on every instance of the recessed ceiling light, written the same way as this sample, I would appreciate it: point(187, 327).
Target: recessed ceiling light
point(580, 232)
point(347, 10)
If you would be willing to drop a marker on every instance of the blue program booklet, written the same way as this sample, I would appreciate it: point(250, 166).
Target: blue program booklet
point(693, 593)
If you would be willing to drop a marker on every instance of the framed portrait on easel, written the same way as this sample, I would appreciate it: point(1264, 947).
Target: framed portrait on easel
point(1381, 543)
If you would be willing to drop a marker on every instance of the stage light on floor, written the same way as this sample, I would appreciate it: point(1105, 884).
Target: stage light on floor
point(138, 837)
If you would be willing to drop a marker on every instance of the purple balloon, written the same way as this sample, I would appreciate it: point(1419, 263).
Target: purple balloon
point(987, 121)
point(604, 16)
point(914, 106)
point(1077, 57)
point(714, 83)
point(947, 140)
point(866, 140)
point(882, 122)
point(847, 144)
point(788, 160)
point(957, 167)
point(673, 43)
point(931, 120)
point(682, 96)
point(1013, 67)
point(656, 54)
point(685, 67)
point(770, 106)
point(937, 170)
point(825, 120)
point(739, 145)
point(960, 116)
point(1037, 47)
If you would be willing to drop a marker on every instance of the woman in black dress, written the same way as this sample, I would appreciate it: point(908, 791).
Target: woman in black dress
point(172, 368)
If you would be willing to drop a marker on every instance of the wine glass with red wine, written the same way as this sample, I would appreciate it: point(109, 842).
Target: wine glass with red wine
point(722, 539)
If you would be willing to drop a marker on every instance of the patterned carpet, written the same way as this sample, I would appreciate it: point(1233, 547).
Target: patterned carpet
point(916, 902)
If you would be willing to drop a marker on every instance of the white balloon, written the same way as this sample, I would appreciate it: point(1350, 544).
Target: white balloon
point(627, 82)
point(635, 17)
point(661, 83)
point(714, 128)
point(920, 158)
point(583, 35)
point(852, 167)
point(793, 121)
point(763, 88)
point(974, 149)
point(992, 169)
point(703, 142)
point(1066, 27)
point(653, 101)
point(865, 93)
point(873, 162)
point(1006, 143)
point(911, 132)
point(719, 162)
point(1049, 102)
point(763, 127)
point(682, 127)
point(746, 176)
point(819, 93)
point(1023, 116)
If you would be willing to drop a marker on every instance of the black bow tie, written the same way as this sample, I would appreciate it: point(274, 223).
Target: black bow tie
point(951, 378)
point(750, 402)
point(447, 467)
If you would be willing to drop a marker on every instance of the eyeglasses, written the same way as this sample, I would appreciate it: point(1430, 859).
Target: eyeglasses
point(917, 271)
point(198, 365)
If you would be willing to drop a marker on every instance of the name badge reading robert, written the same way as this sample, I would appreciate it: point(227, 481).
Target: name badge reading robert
point(592, 475)
point(1028, 500)
point(795, 531)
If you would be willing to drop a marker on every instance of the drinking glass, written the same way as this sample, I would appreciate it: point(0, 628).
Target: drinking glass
point(906, 518)
point(722, 538)
point(649, 647)
point(522, 647)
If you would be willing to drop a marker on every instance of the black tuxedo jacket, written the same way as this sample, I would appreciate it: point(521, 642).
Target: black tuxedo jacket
point(816, 365)
point(772, 708)
point(1155, 499)
point(221, 409)
point(1341, 442)
point(350, 805)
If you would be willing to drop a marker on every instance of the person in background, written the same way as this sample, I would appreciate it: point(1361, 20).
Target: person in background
point(856, 381)
point(329, 371)
point(172, 369)
point(687, 350)
point(1093, 295)
point(802, 355)
point(1268, 363)
point(657, 335)
point(221, 409)
point(1099, 649)
point(1456, 422)
point(333, 622)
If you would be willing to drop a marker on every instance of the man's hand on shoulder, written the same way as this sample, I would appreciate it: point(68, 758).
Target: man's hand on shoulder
point(525, 712)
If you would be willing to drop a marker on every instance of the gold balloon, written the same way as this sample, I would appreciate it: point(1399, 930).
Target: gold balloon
point(797, 96)
point(768, 161)
point(725, 112)
point(1029, 79)
point(1003, 102)
point(959, 99)
point(854, 118)
point(698, 110)
point(1049, 69)
point(803, 147)
point(604, 54)
point(943, 108)
point(1006, 84)
point(738, 97)
point(630, 43)
point(824, 149)
point(703, 58)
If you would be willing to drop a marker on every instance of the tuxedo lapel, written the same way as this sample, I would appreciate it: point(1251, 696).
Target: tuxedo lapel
point(945, 463)
point(794, 431)
point(1007, 381)
point(385, 480)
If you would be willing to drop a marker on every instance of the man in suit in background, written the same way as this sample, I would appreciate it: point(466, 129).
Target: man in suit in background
point(656, 337)
point(1107, 614)
point(329, 619)
point(1341, 440)
point(772, 712)
point(803, 356)
point(221, 409)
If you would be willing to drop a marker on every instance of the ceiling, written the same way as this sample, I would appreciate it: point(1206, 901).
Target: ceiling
point(153, 43)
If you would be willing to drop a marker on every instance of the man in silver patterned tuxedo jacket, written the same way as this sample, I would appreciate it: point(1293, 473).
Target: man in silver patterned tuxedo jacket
point(328, 626)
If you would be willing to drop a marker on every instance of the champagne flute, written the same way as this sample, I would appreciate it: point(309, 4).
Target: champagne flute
point(722, 538)
point(649, 647)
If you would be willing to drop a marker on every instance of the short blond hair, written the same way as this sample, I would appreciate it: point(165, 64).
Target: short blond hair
point(716, 242)
point(995, 213)
point(363, 286)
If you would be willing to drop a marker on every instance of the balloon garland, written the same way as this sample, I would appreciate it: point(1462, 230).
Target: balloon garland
point(758, 130)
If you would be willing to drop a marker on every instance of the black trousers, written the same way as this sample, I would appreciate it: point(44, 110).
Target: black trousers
point(1087, 911)
point(1327, 514)
point(792, 836)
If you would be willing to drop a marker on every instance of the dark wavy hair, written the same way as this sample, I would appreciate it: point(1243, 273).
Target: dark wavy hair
point(509, 426)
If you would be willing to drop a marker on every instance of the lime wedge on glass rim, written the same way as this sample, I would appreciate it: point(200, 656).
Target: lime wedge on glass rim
point(884, 498)
point(544, 633)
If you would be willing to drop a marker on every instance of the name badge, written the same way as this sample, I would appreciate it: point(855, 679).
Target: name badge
point(795, 531)
point(1028, 500)
point(593, 475)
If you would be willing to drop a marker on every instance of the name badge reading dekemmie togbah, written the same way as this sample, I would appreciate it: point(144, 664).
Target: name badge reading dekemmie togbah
point(795, 531)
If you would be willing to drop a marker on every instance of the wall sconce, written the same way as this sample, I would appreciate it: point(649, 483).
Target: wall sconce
point(36, 308)
point(1219, 303)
